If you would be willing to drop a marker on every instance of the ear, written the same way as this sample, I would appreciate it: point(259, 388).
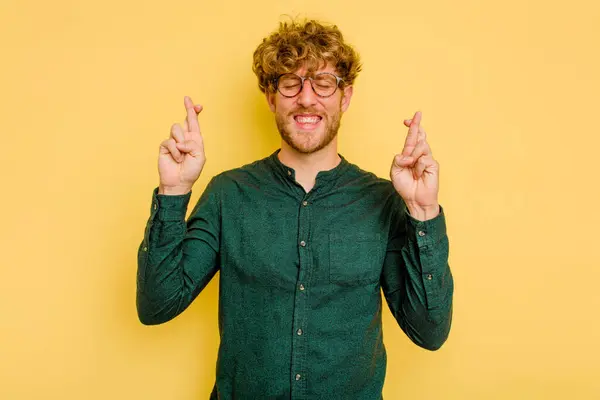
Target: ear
point(271, 99)
point(347, 95)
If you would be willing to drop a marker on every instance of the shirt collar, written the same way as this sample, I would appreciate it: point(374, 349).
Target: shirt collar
point(322, 176)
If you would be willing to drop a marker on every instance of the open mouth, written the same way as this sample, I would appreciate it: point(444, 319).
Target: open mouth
point(307, 122)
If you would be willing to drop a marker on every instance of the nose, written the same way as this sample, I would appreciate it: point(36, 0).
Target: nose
point(307, 96)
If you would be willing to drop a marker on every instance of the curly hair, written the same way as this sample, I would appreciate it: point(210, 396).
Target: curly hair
point(309, 43)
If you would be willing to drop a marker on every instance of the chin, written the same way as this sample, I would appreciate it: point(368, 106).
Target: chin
point(307, 141)
point(302, 143)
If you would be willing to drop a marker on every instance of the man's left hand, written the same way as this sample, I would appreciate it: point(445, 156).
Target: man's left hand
point(415, 174)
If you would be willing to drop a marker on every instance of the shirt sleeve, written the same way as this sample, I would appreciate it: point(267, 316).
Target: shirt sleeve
point(177, 259)
point(416, 280)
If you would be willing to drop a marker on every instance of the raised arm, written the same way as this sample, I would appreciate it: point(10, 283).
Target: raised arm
point(416, 280)
point(177, 259)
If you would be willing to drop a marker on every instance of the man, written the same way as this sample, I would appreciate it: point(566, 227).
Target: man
point(304, 240)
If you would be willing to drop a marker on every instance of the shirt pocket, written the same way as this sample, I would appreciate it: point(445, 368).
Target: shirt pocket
point(355, 258)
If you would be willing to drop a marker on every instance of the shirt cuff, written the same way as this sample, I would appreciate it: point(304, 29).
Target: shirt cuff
point(432, 241)
point(169, 207)
point(426, 233)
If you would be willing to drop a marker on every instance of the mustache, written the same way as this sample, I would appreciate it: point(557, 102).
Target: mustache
point(300, 111)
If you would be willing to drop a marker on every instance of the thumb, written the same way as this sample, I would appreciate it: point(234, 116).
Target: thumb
point(402, 161)
point(189, 147)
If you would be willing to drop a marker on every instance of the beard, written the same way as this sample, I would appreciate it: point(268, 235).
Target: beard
point(308, 142)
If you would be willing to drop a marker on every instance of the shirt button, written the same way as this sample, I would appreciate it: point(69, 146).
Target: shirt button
point(301, 287)
point(305, 203)
point(298, 376)
point(145, 249)
point(155, 206)
point(429, 277)
point(299, 332)
point(289, 173)
point(303, 243)
point(421, 233)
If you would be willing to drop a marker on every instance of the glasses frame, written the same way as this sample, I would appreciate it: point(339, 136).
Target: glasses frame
point(303, 78)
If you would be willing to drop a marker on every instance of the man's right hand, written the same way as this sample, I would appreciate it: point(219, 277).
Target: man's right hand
point(181, 157)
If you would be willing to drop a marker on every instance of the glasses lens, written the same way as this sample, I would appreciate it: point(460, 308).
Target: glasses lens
point(289, 84)
point(324, 84)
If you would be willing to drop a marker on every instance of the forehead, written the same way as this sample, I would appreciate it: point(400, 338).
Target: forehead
point(313, 70)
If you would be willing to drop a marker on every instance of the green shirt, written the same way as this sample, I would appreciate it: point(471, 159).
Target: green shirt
point(301, 277)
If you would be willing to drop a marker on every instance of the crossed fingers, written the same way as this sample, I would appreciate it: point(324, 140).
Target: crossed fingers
point(416, 148)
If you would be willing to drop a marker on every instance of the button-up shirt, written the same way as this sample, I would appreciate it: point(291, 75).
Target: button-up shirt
point(301, 277)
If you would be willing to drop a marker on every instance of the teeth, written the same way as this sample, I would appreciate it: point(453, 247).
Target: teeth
point(305, 120)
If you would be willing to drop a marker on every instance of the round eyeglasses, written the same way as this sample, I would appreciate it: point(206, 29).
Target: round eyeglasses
point(323, 84)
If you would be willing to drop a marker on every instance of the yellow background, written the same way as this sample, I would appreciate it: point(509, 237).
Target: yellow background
point(509, 93)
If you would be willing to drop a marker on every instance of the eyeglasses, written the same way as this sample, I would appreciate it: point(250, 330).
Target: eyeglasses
point(323, 84)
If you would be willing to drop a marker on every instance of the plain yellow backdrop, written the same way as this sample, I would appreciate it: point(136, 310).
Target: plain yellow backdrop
point(509, 93)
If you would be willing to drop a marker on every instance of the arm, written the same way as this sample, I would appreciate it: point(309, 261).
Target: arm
point(416, 279)
point(176, 260)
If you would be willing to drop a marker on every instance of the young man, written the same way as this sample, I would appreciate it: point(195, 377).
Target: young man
point(304, 240)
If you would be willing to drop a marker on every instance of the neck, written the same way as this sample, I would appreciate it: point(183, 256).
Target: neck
point(307, 166)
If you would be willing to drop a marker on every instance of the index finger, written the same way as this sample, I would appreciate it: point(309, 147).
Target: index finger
point(192, 116)
point(412, 136)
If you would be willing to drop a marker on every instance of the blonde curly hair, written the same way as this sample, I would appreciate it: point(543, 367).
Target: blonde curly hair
point(309, 43)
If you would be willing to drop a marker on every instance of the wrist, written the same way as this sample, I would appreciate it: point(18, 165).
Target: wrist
point(423, 213)
point(173, 190)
